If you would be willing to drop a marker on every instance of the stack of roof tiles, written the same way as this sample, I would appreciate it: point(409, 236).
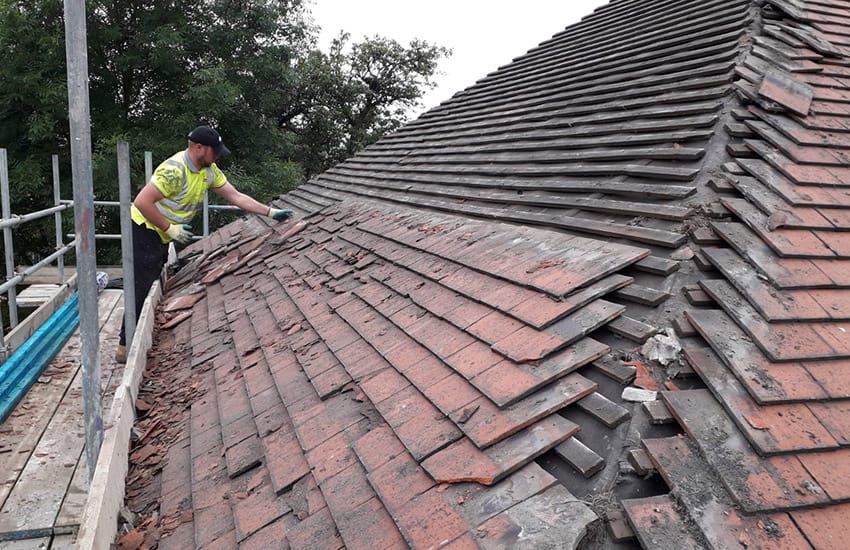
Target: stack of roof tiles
point(384, 372)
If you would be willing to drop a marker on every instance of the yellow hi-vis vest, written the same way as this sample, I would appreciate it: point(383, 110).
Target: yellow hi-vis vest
point(183, 187)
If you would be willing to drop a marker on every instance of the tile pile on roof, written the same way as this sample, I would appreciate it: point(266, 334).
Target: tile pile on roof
point(390, 369)
point(377, 375)
point(770, 431)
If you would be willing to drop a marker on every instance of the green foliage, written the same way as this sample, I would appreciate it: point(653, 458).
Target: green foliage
point(157, 68)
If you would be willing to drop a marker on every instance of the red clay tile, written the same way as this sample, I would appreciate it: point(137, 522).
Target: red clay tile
point(473, 359)
point(331, 457)
point(540, 309)
point(383, 384)
point(440, 337)
point(712, 510)
point(316, 360)
point(408, 316)
point(464, 542)
point(467, 313)
point(767, 381)
point(399, 480)
point(331, 381)
point(428, 520)
point(403, 406)
point(347, 489)
point(284, 459)
point(529, 344)
point(243, 456)
point(256, 509)
point(756, 484)
point(505, 383)
point(658, 524)
point(369, 526)
point(212, 522)
point(406, 356)
point(377, 447)
point(835, 416)
point(427, 432)
point(355, 352)
point(771, 428)
point(427, 373)
point(556, 517)
point(462, 461)
point(831, 470)
point(326, 421)
point(488, 425)
point(453, 393)
point(316, 531)
point(825, 528)
point(258, 379)
point(494, 327)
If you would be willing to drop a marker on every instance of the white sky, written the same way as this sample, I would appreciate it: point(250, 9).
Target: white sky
point(483, 34)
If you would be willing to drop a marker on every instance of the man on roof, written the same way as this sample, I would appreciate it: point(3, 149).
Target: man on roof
point(168, 202)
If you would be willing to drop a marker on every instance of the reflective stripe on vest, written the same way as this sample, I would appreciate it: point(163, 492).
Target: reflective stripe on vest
point(170, 207)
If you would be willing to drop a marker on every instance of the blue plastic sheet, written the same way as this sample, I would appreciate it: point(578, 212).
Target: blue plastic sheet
point(25, 366)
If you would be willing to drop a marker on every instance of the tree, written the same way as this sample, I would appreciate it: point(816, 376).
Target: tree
point(355, 94)
point(157, 68)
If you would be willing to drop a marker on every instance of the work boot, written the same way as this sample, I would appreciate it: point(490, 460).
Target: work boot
point(121, 354)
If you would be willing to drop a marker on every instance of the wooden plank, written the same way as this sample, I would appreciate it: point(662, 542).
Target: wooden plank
point(603, 409)
point(705, 236)
point(27, 543)
point(36, 294)
point(632, 329)
point(34, 502)
point(642, 295)
point(657, 266)
point(640, 461)
point(683, 327)
point(615, 369)
point(697, 297)
point(71, 511)
point(658, 412)
point(42, 480)
point(580, 457)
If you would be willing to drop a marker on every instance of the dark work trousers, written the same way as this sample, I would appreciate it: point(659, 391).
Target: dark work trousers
point(149, 255)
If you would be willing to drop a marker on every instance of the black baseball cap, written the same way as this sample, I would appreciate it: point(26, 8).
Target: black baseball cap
point(207, 136)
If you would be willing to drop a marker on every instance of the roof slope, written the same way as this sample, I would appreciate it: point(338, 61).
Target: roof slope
point(385, 371)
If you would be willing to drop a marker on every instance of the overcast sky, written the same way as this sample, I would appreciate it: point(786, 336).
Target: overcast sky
point(483, 34)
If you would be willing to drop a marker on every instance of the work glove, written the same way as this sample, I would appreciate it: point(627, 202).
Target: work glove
point(278, 215)
point(180, 233)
